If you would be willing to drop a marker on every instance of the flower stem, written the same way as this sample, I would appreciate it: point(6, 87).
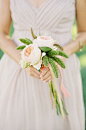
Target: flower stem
point(58, 95)
point(51, 93)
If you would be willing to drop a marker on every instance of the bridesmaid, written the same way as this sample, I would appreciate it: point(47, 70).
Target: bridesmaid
point(15, 116)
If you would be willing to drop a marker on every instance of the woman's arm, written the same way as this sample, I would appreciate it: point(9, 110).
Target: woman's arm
point(74, 46)
point(6, 44)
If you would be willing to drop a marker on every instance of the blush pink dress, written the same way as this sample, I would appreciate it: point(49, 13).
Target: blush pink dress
point(25, 102)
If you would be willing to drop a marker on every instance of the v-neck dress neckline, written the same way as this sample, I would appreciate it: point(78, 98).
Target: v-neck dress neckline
point(42, 5)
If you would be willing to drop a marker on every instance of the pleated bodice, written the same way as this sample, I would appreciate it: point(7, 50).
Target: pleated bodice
point(51, 18)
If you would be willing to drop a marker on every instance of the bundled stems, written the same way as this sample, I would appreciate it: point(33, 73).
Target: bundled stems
point(58, 95)
point(50, 93)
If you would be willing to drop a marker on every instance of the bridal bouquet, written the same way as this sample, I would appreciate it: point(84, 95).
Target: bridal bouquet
point(40, 53)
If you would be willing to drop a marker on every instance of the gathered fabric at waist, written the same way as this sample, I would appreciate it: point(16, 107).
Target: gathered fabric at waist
point(61, 38)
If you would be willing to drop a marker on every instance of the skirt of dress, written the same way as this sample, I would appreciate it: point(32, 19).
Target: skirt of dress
point(25, 102)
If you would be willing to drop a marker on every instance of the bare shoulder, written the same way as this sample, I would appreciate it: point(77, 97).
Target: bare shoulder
point(5, 15)
point(81, 15)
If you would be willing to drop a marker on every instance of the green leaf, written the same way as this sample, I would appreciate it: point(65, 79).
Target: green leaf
point(45, 60)
point(45, 49)
point(54, 67)
point(20, 47)
point(52, 53)
point(61, 53)
point(26, 41)
point(60, 62)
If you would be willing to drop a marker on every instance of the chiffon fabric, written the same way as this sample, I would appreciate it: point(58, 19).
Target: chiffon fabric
point(25, 102)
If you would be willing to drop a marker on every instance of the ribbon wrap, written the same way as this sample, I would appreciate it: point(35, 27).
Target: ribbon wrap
point(63, 89)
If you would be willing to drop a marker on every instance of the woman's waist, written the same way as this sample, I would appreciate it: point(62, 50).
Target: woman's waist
point(61, 38)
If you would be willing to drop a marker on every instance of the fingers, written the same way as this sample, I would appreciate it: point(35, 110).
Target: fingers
point(44, 72)
point(46, 75)
point(36, 71)
point(35, 75)
point(48, 79)
point(33, 72)
point(32, 69)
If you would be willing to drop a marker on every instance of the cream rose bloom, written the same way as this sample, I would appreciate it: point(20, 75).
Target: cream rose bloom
point(32, 54)
point(44, 41)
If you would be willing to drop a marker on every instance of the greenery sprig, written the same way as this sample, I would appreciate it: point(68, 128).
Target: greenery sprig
point(52, 59)
point(45, 60)
point(60, 62)
point(54, 66)
point(25, 41)
point(61, 53)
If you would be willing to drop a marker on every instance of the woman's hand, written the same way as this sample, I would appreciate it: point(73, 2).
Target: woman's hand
point(33, 72)
point(46, 75)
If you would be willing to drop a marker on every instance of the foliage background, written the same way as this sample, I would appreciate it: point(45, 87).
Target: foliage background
point(82, 58)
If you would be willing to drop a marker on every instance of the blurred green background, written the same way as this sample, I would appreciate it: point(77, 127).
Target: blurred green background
point(81, 55)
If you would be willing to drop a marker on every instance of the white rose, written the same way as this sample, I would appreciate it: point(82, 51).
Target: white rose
point(31, 54)
point(44, 41)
